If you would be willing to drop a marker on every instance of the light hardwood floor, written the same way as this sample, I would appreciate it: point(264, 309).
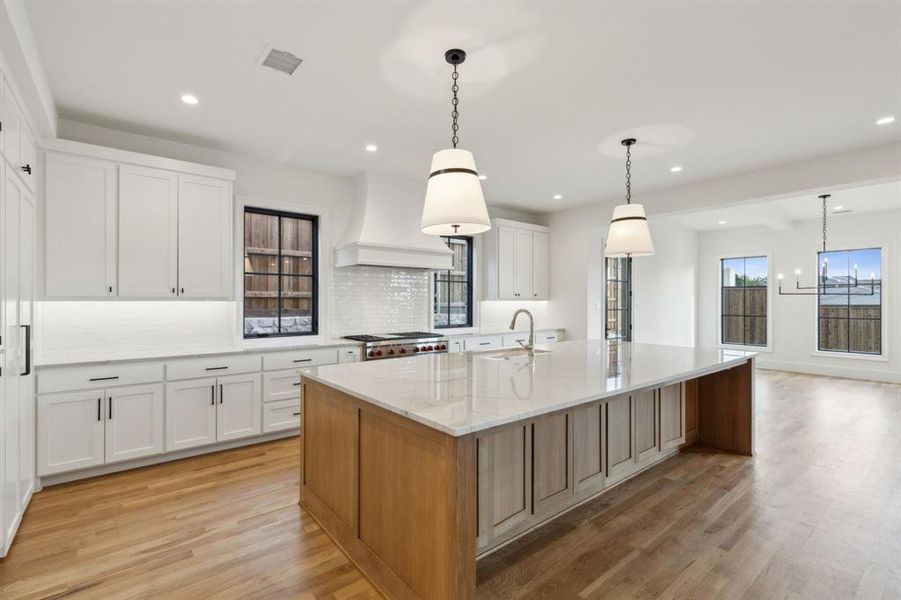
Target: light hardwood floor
point(817, 514)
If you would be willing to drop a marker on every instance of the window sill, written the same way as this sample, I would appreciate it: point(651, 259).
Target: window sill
point(851, 355)
point(745, 348)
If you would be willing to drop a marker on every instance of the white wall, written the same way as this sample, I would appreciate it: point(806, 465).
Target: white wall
point(576, 233)
point(793, 317)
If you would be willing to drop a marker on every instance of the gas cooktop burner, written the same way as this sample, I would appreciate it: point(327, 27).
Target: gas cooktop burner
point(396, 345)
point(403, 335)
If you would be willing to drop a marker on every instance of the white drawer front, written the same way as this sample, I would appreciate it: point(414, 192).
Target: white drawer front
point(348, 355)
point(284, 414)
point(65, 379)
point(281, 385)
point(546, 337)
point(296, 359)
point(482, 342)
point(213, 366)
point(513, 339)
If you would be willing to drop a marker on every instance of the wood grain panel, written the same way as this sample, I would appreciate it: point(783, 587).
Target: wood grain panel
point(725, 409)
point(647, 425)
point(505, 482)
point(551, 461)
point(620, 438)
point(691, 411)
point(330, 450)
point(588, 460)
point(672, 416)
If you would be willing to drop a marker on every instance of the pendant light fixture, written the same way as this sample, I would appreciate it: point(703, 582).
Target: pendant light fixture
point(823, 285)
point(454, 204)
point(629, 234)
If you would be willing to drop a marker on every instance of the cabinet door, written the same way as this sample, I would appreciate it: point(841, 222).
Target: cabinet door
point(11, 128)
point(672, 417)
point(506, 263)
point(148, 232)
point(281, 385)
point(551, 462)
point(190, 413)
point(80, 234)
point(70, 431)
point(540, 271)
point(647, 425)
point(523, 264)
point(239, 410)
point(26, 350)
point(134, 422)
point(588, 448)
point(620, 438)
point(27, 156)
point(282, 415)
point(505, 483)
point(204, 237)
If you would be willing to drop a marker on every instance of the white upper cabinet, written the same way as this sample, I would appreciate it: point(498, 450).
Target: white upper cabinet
point(515, 261)
point(204, 237)
point(81, 227)
point(148, 232)
point(161, 229)
point(18, 142)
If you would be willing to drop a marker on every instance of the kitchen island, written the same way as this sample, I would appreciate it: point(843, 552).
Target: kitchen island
point(416, 467)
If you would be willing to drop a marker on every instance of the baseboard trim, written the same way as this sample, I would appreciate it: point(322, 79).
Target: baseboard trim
point(831, 371)
point(49, 480)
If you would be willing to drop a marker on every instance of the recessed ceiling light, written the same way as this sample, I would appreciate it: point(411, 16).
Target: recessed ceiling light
point(675, 169)
point(371, 148)
point(558, 196)
point(189, 99)
point(885, 120)
point(483, 177)
point(722, 222)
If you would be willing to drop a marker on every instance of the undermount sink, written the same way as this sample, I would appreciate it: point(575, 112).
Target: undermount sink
point(510, 353)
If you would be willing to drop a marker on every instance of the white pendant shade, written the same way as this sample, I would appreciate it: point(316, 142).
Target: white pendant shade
point(454, 204)
point(629, 234)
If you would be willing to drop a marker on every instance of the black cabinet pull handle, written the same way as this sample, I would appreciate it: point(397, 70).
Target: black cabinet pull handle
point(221, 395)
point(484, 343)
point(297, 414)
point(173, 290)
point(110, 407)
point(27, 350)
point(303, 360)
point(27, 169)
point(296, 383)
point(213, 395)
point(215, 368)
point(103, 378)
point(182, 290)
point(110, 289)
point(98, 408)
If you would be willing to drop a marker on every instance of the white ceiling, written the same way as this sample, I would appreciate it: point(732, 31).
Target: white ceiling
point(784, 212)
point(547, 92)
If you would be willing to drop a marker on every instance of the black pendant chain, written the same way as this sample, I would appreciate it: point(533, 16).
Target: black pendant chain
point(629, 174)
point(824, 222)
point(455, 114)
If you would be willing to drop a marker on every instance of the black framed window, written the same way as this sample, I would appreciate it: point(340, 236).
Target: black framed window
point(618, 298)
point(452, 306)
point(281, 273)
point(744, 299)
point(849, 316)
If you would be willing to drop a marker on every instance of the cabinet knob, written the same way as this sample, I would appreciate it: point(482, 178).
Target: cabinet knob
point(26, 168)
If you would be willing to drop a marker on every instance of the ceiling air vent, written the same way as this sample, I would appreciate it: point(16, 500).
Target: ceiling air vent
point(280, 60)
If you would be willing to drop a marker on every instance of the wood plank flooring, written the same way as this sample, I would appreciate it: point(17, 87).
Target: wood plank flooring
point(817, 514)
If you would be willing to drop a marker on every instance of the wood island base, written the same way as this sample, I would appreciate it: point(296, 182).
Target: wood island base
point(414, 507)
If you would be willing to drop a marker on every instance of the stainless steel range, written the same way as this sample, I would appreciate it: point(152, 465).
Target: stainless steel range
point(396, 345)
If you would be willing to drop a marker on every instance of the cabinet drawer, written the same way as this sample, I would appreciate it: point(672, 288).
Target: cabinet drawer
point(513, 339)
point(546, 337)
point(284, 414)
point(300, 358)
point(281, 385)
point(64, 379)
point(348, 355)
point(482, 342)
point(212, 366)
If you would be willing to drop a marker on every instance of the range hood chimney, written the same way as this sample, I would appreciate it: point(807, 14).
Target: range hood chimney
point(383, 229)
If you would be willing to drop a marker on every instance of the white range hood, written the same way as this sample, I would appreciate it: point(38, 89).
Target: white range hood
point(383, 229)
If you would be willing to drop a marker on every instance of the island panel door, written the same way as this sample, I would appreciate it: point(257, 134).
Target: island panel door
point(551, 461)
point(620, 437)
point(588, 458)
point(505, 483)
point(672, 416)
point(647, 425)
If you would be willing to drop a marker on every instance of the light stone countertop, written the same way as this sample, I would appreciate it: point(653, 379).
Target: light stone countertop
point(114, 357)
point(461, 393)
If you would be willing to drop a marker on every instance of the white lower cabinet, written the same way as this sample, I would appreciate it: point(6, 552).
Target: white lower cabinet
point(70, 431)
point(281, 385)
point(134, 422)
point(205, 411)
point(281, 415)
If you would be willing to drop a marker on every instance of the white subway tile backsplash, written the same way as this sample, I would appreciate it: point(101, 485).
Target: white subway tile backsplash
point(379, 300)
